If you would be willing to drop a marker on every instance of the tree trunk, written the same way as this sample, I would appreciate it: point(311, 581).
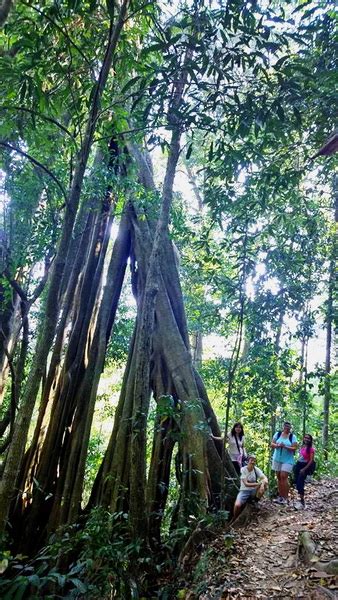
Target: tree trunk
point(60, 468)
point(327, 382)
point(17, 447)
point(196, 336)
point(171, 375)
point(9, 331)
point(70, 304)
point(276, 350)
point(197, 349)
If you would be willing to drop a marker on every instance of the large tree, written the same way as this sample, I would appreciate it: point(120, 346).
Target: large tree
point(95, 90)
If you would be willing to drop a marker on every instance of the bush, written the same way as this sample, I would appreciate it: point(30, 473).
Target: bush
point(97, 561)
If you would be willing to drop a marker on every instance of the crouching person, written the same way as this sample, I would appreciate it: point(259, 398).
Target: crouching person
point(253, 484)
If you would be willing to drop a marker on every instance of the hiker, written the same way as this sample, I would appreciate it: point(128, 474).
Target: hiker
point(304, 466)
point(253, 485)
point(236, 448)
point(285, 444)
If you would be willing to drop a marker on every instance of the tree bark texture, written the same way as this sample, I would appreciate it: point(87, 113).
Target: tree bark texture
point(58, 467)
point(327, 383)
point(9, 331)
point(171, 374)
point(17, 447)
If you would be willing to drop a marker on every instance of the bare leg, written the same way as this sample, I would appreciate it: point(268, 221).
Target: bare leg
point(284, 484)
point(237, 509)
point(279, 485)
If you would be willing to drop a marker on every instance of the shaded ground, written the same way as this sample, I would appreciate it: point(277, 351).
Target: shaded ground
point(264, 560)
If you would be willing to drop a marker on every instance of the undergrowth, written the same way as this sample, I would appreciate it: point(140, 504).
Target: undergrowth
point(99, 560)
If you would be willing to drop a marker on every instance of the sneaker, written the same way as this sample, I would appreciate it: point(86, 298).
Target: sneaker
point(299, 505)
point(280, 500)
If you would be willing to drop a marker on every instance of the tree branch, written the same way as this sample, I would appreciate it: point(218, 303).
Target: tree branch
point(37, 164)
point(5, 8)
point(61, 31)
point(49, 119)
point(16, 286)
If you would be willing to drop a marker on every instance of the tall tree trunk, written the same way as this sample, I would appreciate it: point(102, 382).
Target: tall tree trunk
point(69, 306)
point(304, 389)
point(302, 360)
point(171, 375)
point(327, 382)
point(17, 447)
point(235, 356)
point(9, 330)
point(276, 350)
point(196, 336)
point(61, 465)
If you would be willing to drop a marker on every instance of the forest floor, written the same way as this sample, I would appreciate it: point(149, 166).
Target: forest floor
point(264, 560)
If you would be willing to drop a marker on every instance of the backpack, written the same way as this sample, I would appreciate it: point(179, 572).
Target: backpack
point(279, 433)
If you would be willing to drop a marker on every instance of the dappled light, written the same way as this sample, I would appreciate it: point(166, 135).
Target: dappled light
point(167, 269)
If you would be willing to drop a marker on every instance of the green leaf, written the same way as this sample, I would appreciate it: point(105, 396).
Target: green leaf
point(189, 151)
point(130, 84)
point(280, 112)
point(302, 6)
point(211, 152)
point(34, 580)
point(78, 584)
point(280, 62)
point(309, 12)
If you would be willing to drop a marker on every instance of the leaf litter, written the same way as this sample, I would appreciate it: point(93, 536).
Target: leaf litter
point(263, 562)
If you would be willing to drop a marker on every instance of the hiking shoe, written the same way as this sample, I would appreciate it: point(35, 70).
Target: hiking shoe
point(280, 500)
point(299, 505)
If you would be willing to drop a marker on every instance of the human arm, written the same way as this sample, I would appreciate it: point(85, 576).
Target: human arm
point(304, 470)
point(275, 443)
point(291, 448)
point(286, 444)
point(254, 484)
point(215, 437)
point(262, 478)
point(294, 445)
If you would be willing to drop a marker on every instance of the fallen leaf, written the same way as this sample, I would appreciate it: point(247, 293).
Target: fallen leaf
point(289, 584)
point(320, 575)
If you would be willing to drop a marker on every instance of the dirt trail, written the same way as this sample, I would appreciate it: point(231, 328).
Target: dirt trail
point(264, 561)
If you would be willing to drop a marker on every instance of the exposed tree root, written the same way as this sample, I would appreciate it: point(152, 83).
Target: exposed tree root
point(333, 493)
point(244, 517)
point(307, 551)
point(203, 531)
point(325, 593)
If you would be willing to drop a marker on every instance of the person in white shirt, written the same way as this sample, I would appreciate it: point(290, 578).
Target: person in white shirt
point(236, 448)
point(253, 484)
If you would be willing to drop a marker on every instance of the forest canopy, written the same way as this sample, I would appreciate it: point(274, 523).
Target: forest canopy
point(167, 266)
